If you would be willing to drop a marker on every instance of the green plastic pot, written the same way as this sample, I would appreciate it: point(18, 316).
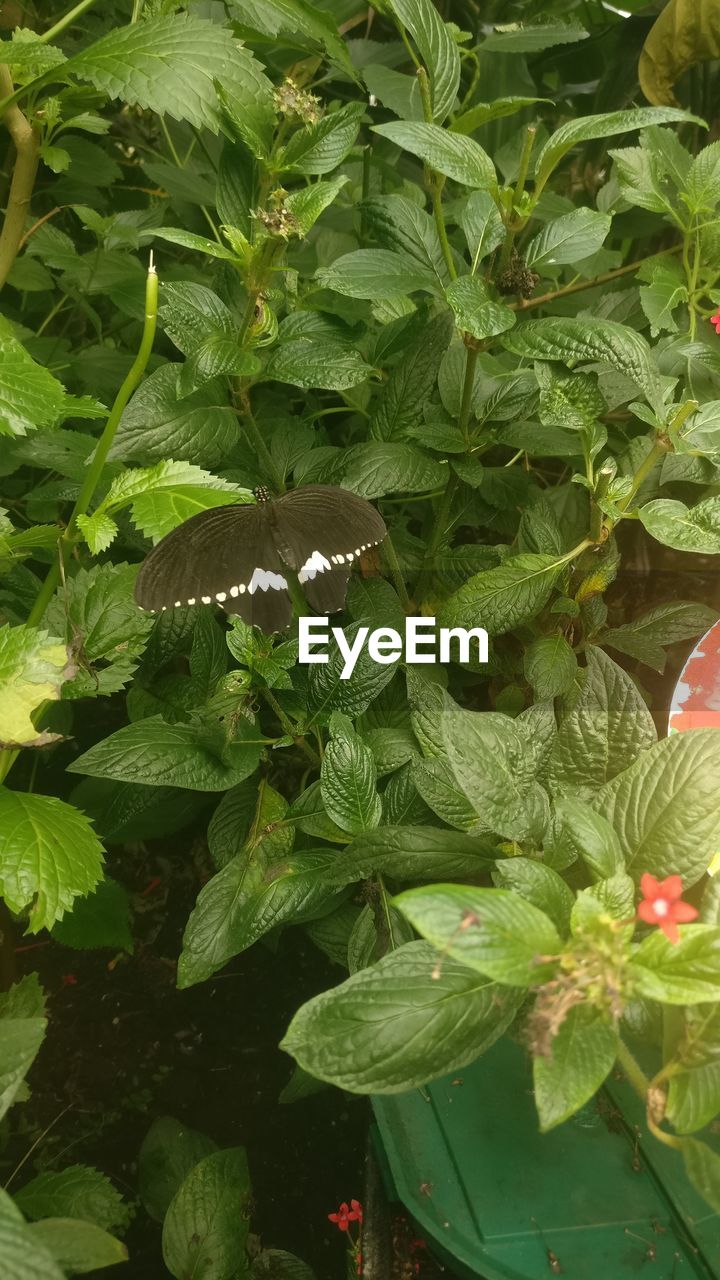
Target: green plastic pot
point(595, 1199)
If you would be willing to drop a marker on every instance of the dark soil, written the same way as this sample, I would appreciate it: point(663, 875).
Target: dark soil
point(124, 1047)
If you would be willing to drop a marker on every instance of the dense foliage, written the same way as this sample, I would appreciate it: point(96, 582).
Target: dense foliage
point(467, 273)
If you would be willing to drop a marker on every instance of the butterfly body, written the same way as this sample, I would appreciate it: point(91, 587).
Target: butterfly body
point(238, 556)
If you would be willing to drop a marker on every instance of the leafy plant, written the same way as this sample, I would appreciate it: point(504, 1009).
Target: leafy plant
point(449, 282)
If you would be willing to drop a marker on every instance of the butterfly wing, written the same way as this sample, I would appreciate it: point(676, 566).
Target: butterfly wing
point(226, 556)
point(319, 531)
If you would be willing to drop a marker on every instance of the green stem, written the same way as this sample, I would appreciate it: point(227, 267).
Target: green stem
point(514, 224)
point(290, 728)
point(633, 1071)
point(658, 451)
point(471, 360)
point(245, 414)
point(435, 181)
point(397, 574)
point(581, 285)
point(65, 22)
point(27, 158)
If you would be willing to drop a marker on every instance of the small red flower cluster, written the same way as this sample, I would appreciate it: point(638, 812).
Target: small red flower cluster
point(661, 904)
point(346, 1214)
point(716, 321)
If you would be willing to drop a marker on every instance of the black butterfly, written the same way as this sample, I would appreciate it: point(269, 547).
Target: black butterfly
point(236, 555)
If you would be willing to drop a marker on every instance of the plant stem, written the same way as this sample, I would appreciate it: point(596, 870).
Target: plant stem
point(65, 22)
point(397, 574)
point(290, 728)
point(27, 147)
point(651, 459)
point(606, 278)
point(435, 181)
point(467, 391)
point(103, 446)
point(633, 1071)
point(514, 224)
point(246, 417)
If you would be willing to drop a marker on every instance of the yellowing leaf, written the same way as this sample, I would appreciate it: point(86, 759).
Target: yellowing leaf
point(686, 32)
point(33, 666)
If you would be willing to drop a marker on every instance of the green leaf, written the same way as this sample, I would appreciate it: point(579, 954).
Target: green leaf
point(348, 782)
point(451, 154)
point(488, 757)
point(533, 37)
point(201, 427)
point(398, 92)
point(375, 274)
point(694, 1097)
point(437, 48)
point(307, 362)
point(418, 853)
point(702, 1166)
point(23, 1256)
point(233, 911)
point(538, 884)
point(377, 468)
point(482, 225)
point(154, 753)
point(400, 1023)
point(401, 225)
point(169, 65)
point(99, 531)
point(684, 972)
point(608, 727)
point(483, 112)
point(412, 381)
point(503, 598)
point(299, 22)
point(100, 920)
point(33, 668)
point(685, 32)
point(76, 1192)
point(684, 528)
point(474, 309)
point(491, 930)
point(581, 1056)
point(206, 1226)
point(27, 53)
point(569, 238)
point(276, 1264)
point(665, 292)
point(190, 313)
point(328, 691)
point(643, 637)
point(588, 835)
point(78, 1246)
point(22, 1034)
point(96, 613)
point(550, 666)
point(215, 357)
point(572, 341)
point(30, 397)
point(169, 1152)
point(664, 807)
point(189, 240)
point(320, 148)
point(588, 128)
point(50, 855)
point(307, 204)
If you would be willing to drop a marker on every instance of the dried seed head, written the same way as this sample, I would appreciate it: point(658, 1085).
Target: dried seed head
point(293, 101)
point(517, 278)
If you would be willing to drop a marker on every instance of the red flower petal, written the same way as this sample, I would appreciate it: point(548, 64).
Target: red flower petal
point(649, 886)
point(671, 888)
point(670, 930)
point(683, 912)
point(646, 912)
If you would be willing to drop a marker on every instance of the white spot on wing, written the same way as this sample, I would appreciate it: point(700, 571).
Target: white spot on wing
point(317, 563)
point(233, 592)
point(220, 596)
point(266, 580)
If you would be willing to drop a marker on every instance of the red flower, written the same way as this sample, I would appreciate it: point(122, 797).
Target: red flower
point(716, 321)
point(343, 1217)
point(661, 904)
point(69, 980)
point(357, 1211)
